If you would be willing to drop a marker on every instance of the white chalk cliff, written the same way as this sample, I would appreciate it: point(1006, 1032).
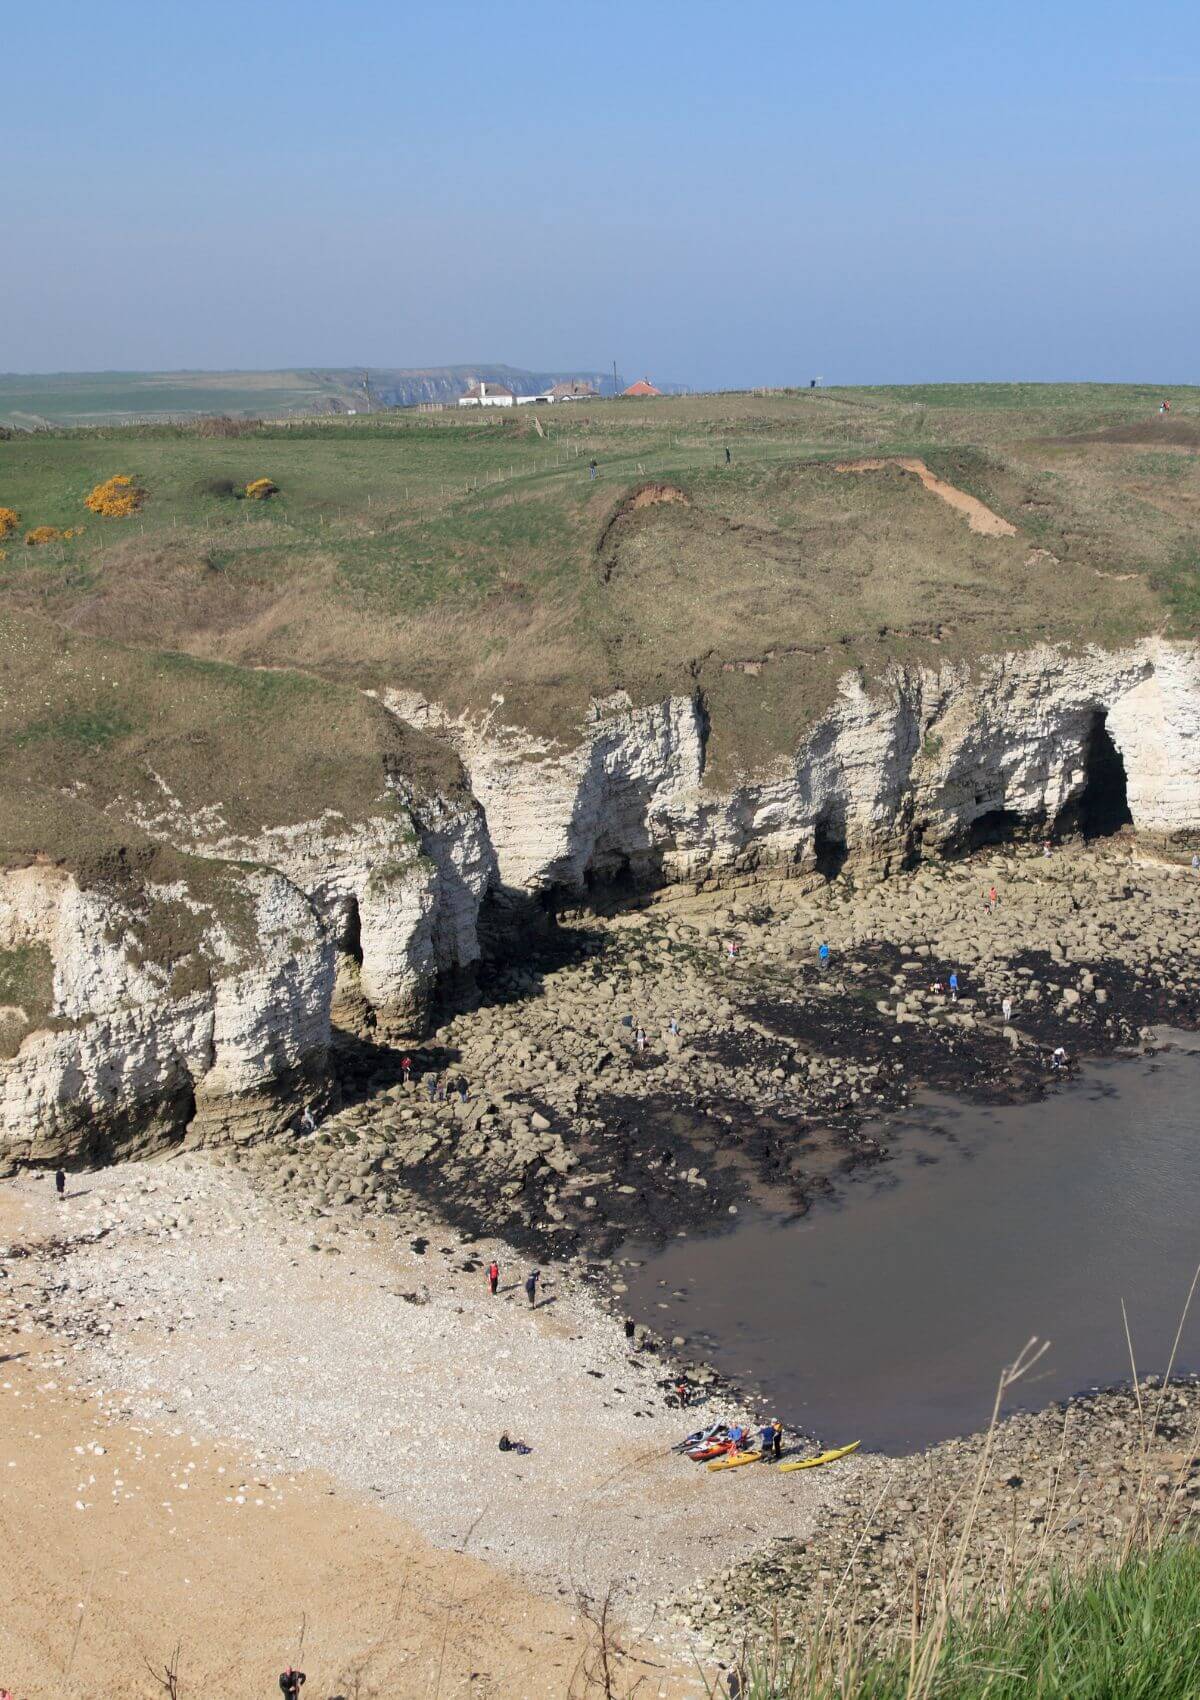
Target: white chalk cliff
point(918, 757)
point(125, 1051)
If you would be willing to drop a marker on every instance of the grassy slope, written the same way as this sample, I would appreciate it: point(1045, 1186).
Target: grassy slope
point(470, 556)
point(1129, 1632)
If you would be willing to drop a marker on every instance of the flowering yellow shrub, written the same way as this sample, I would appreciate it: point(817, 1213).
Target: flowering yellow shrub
point(260, 489)
point(116, 498)
point(42, 534)
point(9, 520)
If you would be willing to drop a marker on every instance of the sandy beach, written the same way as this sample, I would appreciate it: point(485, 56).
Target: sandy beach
point(312, 1434)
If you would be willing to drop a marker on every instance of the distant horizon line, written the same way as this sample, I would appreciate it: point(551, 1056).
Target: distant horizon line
point(592, 370)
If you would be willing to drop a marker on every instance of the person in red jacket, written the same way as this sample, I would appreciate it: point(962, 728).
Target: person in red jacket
point(493, 1276)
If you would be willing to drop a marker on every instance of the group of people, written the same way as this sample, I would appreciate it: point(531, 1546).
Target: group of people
point(441, 1088)
point(531, 1282)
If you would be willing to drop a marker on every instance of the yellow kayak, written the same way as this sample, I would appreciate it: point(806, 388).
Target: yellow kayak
point(735, 1460)
point(821, 1457)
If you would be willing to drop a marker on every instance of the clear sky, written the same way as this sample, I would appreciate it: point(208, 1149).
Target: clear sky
point(722, 194)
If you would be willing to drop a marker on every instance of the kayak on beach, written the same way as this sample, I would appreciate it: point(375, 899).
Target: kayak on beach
point(735, 1461)
point(821, 1457)
point(712, 1449)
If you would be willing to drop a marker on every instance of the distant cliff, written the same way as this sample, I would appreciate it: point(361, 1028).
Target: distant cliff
point(36, 401)
point(405, 387)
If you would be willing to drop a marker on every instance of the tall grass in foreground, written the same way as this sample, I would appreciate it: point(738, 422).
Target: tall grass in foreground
point(1124, 1628)
point(1125, 1633)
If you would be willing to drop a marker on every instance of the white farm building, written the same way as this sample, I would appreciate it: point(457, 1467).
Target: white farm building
point(487, 394)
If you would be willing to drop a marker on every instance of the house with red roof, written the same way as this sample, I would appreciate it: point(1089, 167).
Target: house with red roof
point(642, 387)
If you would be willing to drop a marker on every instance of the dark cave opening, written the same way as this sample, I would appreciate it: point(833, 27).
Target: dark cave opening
point(1102, 807)
point(830, 849)
point(352, 936)
point(997, 826)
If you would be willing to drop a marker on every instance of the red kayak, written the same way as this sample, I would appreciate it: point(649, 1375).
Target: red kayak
point(712, 1449)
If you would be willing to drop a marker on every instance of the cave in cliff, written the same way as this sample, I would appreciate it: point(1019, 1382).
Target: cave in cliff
point(352, 936)
point(830, 849)
point(997, 826)
point(1102, 807)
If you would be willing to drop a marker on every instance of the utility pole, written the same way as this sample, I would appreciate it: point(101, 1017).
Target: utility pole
point(614, 377)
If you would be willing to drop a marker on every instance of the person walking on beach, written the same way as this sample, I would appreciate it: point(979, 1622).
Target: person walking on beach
point(433, 1086)
point(60, 1184)
point(823, 955)
point(531, 1282)
point(954, 988)
point(291, 1682)
point(673, 1028)
point(1006, 1010)
point(405, 1069)
point(493, 1276)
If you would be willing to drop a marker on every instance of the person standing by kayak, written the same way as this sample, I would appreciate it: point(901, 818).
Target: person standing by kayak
point(776, 1438)
point(766, 1441)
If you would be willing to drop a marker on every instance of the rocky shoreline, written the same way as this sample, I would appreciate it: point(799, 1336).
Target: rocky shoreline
point(1063, 1488)
point(572, 1137)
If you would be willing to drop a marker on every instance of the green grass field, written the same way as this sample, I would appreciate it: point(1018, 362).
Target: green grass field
point(471, 556)
point(1130, 1631)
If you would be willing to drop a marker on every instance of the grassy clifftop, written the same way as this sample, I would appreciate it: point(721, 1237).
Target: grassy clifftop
point(472, 556)
point(96, 734)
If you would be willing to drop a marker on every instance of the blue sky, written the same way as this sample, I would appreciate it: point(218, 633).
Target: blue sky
point(716, 194)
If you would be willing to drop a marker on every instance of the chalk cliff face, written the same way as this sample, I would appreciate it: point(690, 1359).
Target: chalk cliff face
point(215, 1033)
point(399, 891)
point(917, 759)
point(131, 1049)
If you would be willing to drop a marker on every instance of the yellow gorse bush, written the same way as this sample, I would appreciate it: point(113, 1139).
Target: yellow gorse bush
point(9, 520)
point(260, 488)
point(42, 534)
point(116, 498)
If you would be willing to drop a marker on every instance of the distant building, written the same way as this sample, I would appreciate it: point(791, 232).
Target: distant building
point(572, 389)
point(642, 387)
point(486, 394)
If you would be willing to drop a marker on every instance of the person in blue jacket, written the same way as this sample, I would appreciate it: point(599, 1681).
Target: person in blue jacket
point(954, 988)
